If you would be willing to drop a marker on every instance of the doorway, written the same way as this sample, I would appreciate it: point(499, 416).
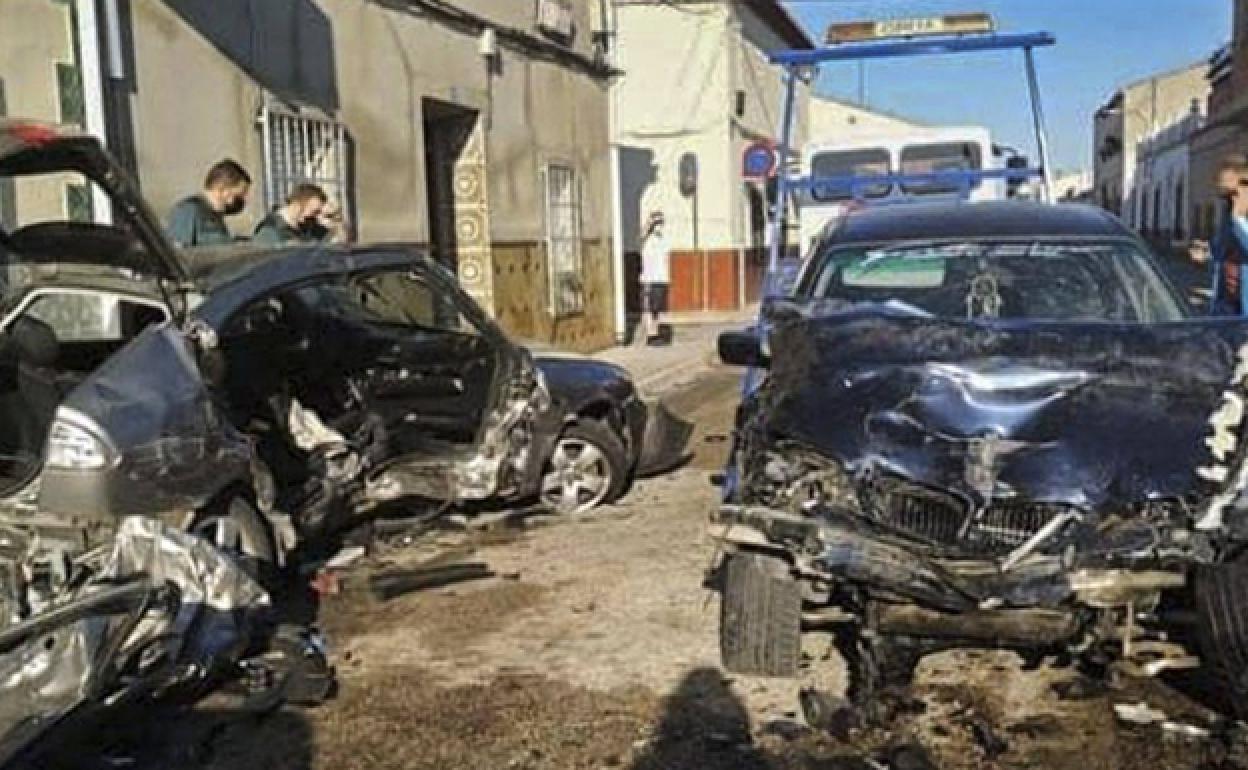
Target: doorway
point(448, 129)
point(457, 188)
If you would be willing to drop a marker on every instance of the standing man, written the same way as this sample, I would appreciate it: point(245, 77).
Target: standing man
point(1230, 244)
point(656, 258)
point(199, 220)
point(304, 218)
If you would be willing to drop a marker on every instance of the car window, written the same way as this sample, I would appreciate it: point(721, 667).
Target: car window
point(391, 297)
point(1092, 280)
point(841, 163)
point(93, 316)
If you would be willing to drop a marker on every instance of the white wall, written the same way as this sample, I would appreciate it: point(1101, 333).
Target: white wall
point(683, 65)
point(832, 120)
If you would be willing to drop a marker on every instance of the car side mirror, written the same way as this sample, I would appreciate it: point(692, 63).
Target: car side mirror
point(742, 348)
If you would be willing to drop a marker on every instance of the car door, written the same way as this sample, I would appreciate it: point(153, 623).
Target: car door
point(392, 333)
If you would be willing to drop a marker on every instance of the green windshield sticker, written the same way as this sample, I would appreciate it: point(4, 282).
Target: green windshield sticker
point(900, 271)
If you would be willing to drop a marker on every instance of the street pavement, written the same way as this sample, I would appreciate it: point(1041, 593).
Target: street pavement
point(656, 370)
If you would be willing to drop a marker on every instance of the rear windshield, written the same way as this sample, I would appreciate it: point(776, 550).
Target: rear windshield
point(934, 158)
point(869, 162)
point(1094, 280)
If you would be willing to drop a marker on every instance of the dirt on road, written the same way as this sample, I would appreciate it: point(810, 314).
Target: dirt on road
point(595, 646)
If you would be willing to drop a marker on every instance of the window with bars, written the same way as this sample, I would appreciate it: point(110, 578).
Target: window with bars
point(563, 240)
point(304, 146)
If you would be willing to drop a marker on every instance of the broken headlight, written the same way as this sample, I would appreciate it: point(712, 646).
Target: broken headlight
point(799, 480)
point(76, 443)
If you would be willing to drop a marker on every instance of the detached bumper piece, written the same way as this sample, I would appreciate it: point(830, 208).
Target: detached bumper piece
point(665, 442)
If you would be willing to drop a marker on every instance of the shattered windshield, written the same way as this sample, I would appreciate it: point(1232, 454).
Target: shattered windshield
point(1087, 280)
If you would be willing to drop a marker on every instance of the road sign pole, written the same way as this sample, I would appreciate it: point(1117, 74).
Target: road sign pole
point(1042, 131)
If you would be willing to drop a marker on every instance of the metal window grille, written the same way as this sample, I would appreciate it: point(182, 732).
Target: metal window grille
point(563, 240)
point(302, 145)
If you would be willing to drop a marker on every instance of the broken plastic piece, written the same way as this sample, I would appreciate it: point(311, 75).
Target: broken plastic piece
point(388, 585)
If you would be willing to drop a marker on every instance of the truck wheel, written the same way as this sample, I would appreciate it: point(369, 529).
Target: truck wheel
point(760, 622)
point(1222, 627)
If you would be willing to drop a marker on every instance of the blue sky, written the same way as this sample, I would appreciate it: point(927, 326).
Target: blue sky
point(1101, 44)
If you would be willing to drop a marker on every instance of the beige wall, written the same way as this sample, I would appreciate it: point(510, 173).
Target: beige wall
point(1149, 106)
point(29, 54)
point(192, 107)
point(683, 66)
point(202, 75)
point(387, 62)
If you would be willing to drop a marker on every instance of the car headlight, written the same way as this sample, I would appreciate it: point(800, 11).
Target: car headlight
point(76, 443)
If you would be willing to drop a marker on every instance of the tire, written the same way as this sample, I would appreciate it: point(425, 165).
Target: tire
point(233, 524)
point(1222, 627)
point(567, 475)
point(760, 622)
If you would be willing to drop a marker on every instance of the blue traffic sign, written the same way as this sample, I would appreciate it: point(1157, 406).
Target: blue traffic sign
point(759, 161)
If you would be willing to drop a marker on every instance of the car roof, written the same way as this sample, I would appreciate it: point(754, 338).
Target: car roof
point(989, 219)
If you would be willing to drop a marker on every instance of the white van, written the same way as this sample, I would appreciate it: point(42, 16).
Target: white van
point(918, 151)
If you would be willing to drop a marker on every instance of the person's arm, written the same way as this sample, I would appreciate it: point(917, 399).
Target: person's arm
point(183, 220)
point(266, 234)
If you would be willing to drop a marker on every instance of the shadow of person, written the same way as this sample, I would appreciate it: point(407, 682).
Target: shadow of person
point(704, 725)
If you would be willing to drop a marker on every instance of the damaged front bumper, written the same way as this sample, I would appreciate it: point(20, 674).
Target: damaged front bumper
point(665, 440)
point(855, 574)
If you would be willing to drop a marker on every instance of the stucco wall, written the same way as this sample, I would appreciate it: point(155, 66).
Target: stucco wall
point(830, 120)
point(203, 67)
point(683, 66)
point(29, 53)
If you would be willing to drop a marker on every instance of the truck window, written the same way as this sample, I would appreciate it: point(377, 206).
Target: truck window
point(934, 158)
point(867, 162)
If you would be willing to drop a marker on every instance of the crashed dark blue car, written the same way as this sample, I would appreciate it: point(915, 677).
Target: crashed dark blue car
point(987, 425)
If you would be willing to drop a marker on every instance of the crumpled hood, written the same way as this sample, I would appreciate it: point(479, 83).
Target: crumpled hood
point(1088, 414)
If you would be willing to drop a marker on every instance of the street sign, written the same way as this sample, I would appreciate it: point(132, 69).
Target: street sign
point(926, 26)
point(759, 161)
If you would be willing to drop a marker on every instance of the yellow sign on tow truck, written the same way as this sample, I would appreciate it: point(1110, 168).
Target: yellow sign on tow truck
point(924, 26)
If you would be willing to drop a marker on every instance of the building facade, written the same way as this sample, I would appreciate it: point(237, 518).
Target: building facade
point(697, 89)
point(1133, 113)
point(476, 128)
point(1164, 184)
point(831, 119)
point(1226, 129)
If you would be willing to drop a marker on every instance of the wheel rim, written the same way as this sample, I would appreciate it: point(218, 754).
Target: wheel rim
point(578, 477)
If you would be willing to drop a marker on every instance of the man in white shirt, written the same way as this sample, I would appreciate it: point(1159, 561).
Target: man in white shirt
point(656, 258)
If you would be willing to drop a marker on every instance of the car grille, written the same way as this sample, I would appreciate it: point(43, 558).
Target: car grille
point(941, 519)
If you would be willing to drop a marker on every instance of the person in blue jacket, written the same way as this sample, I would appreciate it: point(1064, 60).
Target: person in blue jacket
point(1230, 243)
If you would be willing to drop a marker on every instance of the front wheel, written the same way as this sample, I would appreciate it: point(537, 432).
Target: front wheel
point(760, 622)
point(1222, 627)
point(587, 468)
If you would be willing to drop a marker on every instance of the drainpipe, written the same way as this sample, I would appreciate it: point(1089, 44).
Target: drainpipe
point(611, 21)
point(90, 62)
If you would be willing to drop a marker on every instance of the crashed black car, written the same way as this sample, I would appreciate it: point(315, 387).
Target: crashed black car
point(987, 425)
point(254, 401)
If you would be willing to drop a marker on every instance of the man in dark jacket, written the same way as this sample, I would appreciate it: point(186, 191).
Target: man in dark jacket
point(199, 220)
point(301, 219)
